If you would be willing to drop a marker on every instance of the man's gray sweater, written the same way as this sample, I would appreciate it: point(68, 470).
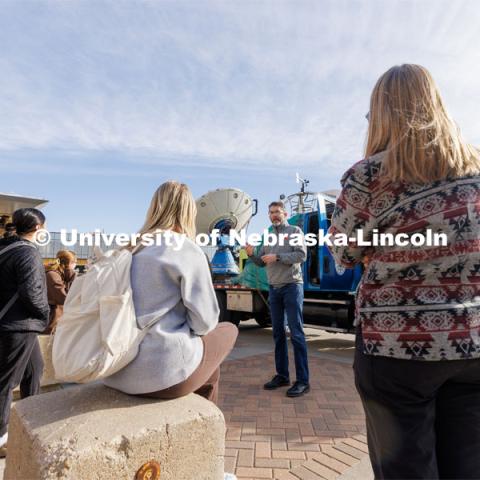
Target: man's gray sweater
point(288, 267)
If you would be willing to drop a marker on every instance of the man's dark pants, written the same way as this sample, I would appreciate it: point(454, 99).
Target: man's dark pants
point(288, 301)
point(20, 363)
point(423, 418)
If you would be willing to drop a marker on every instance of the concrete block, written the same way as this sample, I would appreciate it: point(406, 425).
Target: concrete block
point(48, 381)
point(48, 377)
point(91, 432)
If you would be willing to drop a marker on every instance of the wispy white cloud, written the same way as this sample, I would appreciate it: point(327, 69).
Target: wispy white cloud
point(262, 83)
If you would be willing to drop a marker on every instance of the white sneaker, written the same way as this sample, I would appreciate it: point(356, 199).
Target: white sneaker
point(229, 476)
point(3, 445)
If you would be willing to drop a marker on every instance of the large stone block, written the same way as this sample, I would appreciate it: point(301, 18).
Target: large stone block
point(48, 377)
point(48, 380)
point(91, 432)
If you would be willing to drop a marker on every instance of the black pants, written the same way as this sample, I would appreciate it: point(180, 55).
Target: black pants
point(21, 363)
point(423, 418)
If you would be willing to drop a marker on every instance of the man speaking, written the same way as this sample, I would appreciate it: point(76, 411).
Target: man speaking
point(284, 271)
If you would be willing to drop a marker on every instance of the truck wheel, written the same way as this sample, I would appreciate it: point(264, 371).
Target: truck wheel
point(263, 319)
point(235, 318)
point(351, 316)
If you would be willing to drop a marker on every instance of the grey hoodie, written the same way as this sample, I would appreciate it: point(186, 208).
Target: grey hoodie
point(172, 292)
point(288, 268)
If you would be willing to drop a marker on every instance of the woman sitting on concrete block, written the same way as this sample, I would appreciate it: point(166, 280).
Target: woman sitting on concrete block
point(174, 298)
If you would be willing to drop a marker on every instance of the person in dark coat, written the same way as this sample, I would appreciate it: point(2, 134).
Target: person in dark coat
point(9, 230)
point(59, 280)
point(24, 312)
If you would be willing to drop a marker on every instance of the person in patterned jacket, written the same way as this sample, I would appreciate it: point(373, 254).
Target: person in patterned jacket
point(417, 361)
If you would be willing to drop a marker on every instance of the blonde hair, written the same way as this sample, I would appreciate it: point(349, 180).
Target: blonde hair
point(64, 259)
point(408, 121)
point(172, 208)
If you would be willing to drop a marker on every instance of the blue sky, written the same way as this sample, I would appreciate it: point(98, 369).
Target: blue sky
point(102, 101)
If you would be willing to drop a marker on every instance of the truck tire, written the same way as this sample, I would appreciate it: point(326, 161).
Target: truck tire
point(351, 316)
point(263, 322)
point(235, 317)
point(263, 319)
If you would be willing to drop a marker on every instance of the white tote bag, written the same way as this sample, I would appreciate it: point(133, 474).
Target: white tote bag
point(97, 334)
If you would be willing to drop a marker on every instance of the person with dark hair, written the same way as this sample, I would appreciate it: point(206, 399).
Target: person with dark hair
point(59, 280)
point(24, 313)
point(9, 230)
point(284, 271)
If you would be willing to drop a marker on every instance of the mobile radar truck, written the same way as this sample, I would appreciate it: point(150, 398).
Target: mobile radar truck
point(241, 286)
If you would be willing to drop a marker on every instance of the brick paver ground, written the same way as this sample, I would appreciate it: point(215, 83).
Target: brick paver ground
point(317, 436)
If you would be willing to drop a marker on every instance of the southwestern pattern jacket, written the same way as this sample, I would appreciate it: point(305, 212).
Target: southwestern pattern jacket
point(420, 303)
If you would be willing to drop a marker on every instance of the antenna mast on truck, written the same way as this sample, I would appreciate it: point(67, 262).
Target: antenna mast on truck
point(302, 201)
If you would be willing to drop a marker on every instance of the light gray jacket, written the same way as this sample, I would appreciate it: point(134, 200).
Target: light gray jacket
point(288, 268)
point(173, 292)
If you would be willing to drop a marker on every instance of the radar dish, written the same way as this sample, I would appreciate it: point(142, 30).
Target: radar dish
point(224, 208)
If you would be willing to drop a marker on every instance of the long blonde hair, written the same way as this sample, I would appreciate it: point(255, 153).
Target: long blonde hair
point(408, 121)
point(172, 208)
